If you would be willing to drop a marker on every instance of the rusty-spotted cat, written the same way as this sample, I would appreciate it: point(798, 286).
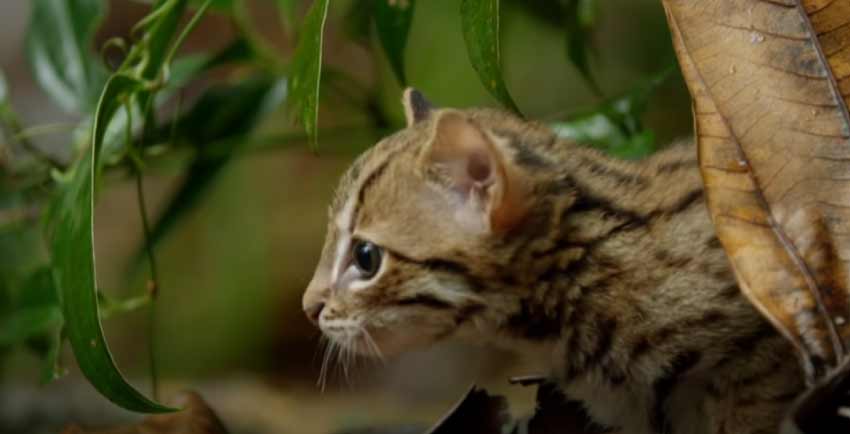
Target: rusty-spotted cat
point(477, 224)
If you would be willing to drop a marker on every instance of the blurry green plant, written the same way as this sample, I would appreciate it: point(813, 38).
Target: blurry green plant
point(132, 116)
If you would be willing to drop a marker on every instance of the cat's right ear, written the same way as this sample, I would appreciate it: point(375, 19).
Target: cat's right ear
point(488, 191)
point(416, 107)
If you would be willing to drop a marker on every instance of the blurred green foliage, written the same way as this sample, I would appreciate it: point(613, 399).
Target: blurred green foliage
point(134, 120)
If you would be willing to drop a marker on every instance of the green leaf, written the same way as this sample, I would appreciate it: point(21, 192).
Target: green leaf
point(221, 114)
point(480, 22)
point(71, 239)
point(615, 126)
point(580, 19)
point(307, 68)
point(392, 21)
point(58, 44)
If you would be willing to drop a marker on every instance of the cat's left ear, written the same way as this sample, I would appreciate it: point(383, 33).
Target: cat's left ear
point(416, 107)
point(489, 191)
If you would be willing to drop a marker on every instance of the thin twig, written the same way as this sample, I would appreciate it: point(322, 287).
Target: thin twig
point(153, 283)
point(10, 123)
point(44, 129)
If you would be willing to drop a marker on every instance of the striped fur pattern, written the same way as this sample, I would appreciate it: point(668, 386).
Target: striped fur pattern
point(610, 270)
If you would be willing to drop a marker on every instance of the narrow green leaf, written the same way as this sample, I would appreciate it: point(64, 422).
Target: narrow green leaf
point(58, 45)
point(71, 239)
point(307, 68)
point(392, 21)
point(480, 22)
point(580, 19)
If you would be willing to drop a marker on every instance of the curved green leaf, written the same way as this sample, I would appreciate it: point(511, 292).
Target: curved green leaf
point(307, 68)
point(392, 21)
point(72, 245)
point(58, 45)
point(480, 22)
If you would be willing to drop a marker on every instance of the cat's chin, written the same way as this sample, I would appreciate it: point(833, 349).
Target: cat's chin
point(393, 343)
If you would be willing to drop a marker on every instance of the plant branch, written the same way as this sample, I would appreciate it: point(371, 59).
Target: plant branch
point(12, 126)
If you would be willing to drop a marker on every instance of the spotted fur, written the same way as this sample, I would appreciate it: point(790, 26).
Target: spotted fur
point(608, 269)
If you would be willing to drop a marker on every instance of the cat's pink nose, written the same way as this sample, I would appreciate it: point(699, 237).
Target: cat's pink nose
point(314, 311)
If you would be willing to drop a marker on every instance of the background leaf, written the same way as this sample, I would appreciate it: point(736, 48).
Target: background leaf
point(615, 126)
point(480, 22)
point(307, 68)
point(58, 44)
point(392, 21)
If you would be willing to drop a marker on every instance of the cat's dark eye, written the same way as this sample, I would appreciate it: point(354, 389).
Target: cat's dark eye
point(367, 258)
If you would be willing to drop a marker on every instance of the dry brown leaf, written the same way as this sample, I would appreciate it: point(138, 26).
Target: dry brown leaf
point(770, 81)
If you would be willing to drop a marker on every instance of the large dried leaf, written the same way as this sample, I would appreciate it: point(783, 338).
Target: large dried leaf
point(770, 80)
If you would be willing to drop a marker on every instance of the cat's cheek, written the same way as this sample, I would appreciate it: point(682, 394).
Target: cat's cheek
point(400, 344)
point(397, 342)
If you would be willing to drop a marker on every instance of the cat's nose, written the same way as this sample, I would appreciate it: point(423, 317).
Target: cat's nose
point(314, 298)
point(314, 311)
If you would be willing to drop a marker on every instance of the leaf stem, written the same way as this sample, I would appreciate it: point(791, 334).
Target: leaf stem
point(153, 285)
point(11, 124)
point(153, 282)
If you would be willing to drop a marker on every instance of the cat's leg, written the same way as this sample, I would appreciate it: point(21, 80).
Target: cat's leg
point(753, 407)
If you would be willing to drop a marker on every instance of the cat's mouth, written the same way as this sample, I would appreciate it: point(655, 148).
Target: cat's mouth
point(352, 336)
point(367, 340)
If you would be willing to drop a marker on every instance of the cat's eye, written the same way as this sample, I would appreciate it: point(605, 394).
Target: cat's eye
point(366, 257)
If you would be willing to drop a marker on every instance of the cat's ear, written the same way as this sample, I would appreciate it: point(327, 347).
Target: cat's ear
point(489, 190)
point(416, 107)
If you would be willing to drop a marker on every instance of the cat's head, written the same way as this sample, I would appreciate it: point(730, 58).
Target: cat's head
point(415, 229)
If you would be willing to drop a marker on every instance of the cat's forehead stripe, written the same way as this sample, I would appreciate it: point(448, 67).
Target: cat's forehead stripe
point(370, 180)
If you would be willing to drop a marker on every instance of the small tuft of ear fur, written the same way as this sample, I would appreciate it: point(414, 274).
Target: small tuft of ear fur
point(490, 192)
point(416, 107)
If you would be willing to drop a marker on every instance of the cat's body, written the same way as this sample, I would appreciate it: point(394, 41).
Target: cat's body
point(491, 228)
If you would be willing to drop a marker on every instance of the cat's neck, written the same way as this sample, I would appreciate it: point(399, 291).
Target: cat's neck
point(600, 248)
